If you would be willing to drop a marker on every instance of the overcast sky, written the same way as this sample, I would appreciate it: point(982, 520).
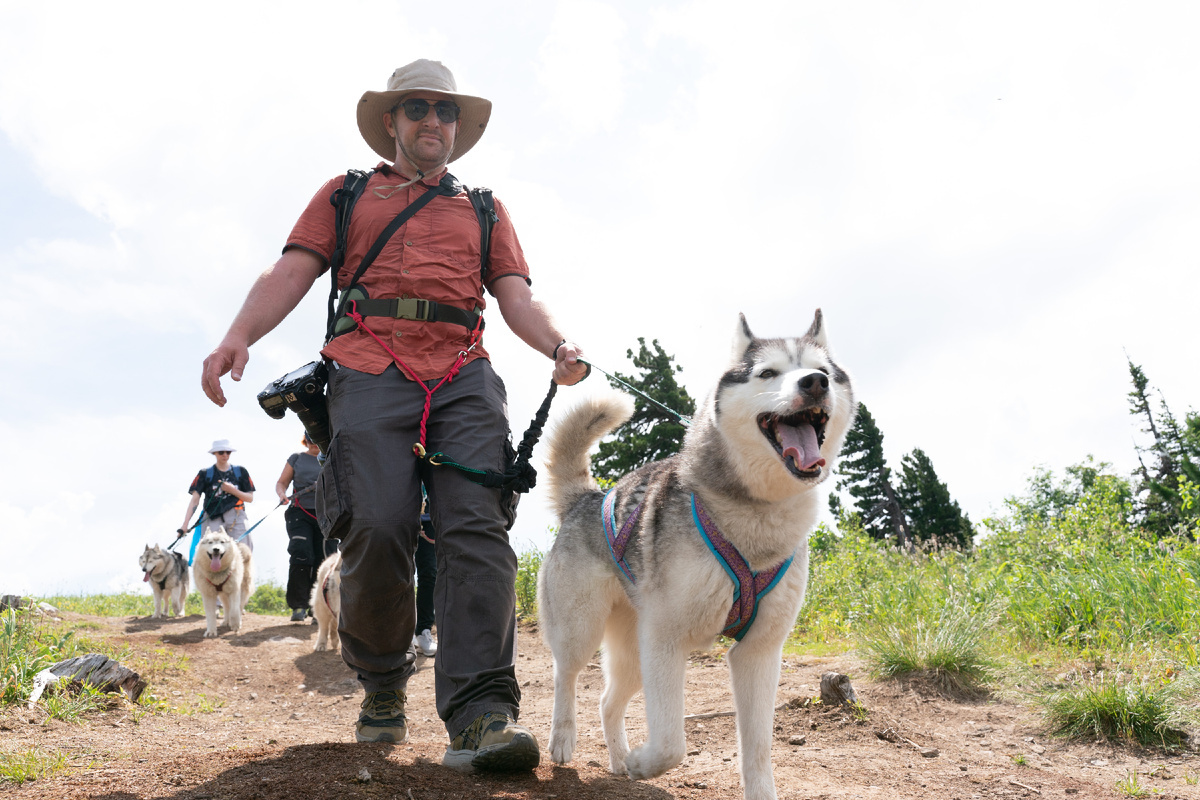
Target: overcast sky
point(994, 203)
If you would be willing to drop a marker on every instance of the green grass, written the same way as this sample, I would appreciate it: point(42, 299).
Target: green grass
point(1124, 712)
point(30, 765)
point(268, 598)
point(29, 644)
point(947, 649)
point(528, 564)
point(1131, 787)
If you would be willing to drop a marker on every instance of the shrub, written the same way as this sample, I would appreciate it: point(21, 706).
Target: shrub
point(269, 598)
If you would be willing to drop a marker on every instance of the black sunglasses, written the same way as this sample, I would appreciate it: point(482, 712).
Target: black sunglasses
point(417, 110)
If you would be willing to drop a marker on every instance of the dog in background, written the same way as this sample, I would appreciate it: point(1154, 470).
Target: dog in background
point(326, 603)
point(713, 540)
point(167, 573)
point(224, 570)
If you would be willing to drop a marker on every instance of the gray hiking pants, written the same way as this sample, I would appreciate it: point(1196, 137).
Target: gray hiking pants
point(369, 496)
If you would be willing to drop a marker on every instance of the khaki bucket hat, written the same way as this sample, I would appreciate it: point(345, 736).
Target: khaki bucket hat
point(421, 75)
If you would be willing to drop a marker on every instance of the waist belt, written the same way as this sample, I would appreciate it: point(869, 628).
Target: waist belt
point(416, 308)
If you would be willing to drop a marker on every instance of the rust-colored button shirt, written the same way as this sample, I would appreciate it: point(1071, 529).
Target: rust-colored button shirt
point(433, 256)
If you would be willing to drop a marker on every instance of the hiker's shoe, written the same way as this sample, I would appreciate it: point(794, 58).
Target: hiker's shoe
point(425, 643)
point(493, 743)
point(382, 718)
point(298, 615)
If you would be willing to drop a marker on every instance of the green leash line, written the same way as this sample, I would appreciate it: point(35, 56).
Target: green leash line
point(682, 419)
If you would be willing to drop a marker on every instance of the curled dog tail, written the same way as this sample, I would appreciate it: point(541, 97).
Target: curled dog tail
point(568, 444)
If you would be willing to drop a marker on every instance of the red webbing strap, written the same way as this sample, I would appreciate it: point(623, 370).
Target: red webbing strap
point(419, 447)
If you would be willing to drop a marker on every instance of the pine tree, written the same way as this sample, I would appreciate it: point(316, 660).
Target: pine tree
point(651, 433)
point(1168, 486)
point(932, 515)
point(866, 476)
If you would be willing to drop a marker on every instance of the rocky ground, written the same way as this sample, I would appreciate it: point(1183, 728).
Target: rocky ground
point(263, 716)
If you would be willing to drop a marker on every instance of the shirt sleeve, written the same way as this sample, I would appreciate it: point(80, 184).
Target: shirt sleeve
point(506, 256)
point(315, 230)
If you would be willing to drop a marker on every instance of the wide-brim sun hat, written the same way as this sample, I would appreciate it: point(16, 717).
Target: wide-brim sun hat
point(221, 444)
point(428, 76)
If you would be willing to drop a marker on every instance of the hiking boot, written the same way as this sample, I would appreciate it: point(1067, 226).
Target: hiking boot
point(425, 643)
point(493, 743)
point(298, 615)
point(382, 718)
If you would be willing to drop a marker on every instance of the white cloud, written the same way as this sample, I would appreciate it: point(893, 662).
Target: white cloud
point(994, 202)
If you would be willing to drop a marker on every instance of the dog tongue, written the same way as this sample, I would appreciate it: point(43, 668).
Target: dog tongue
point(215, 564)
point(800, 443)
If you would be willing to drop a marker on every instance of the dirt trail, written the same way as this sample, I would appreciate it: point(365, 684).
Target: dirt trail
point(282, 727)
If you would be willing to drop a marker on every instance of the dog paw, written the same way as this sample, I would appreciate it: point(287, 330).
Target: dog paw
point(562, 746)
point(641, 763)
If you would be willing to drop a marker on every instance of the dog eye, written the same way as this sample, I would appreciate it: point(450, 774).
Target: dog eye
point(767, 374)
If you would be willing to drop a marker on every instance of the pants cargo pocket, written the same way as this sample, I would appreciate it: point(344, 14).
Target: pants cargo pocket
point(333, 491)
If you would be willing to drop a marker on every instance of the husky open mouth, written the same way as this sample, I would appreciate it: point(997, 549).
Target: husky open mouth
point(797, 438)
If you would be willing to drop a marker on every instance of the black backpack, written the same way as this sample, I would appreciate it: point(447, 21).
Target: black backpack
point(344, 199)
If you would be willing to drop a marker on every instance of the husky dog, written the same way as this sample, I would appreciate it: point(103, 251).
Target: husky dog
point(711, 540)
point(326, 603)
point(167, 574)
point(223, 570)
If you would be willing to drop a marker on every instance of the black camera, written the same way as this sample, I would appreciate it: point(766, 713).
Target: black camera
point(303, 391)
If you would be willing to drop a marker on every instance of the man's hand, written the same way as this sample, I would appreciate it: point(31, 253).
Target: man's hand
point(278, 290)
point(226, 358)
point(567, 369)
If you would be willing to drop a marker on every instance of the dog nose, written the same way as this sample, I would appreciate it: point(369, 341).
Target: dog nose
point(815, 384)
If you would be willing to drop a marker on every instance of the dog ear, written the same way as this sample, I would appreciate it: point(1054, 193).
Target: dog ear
point(816, 331)
point(742, 338)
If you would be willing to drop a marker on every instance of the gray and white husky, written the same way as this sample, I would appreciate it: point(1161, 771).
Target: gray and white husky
point(167, 573)
point(223, 569)
point(711, 540)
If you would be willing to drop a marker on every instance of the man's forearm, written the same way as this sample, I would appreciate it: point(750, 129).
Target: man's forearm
point(277, 291)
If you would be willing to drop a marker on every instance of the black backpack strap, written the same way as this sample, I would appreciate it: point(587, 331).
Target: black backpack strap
point(449, 186)
point(343, 201)
point(485, 210)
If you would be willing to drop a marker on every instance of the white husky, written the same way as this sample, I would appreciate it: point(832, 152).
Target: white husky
point(326, 603)
point(167, 574)
point(223, 569)
point(712, 540)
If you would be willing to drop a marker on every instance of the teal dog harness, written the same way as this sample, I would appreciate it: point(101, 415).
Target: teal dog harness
point(749, 587)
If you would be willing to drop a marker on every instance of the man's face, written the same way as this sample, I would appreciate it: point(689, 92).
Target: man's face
point(426, 142)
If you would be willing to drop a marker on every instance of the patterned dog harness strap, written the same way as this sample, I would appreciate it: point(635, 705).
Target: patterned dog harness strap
point(748, 587)
point(617, 542)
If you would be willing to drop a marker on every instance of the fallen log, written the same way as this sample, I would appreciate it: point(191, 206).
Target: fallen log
point(101, 672)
